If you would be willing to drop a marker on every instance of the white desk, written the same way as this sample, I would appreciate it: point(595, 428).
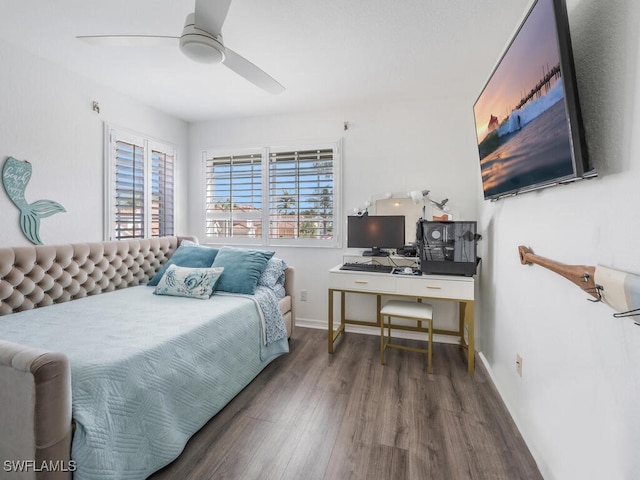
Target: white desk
point(458, 289)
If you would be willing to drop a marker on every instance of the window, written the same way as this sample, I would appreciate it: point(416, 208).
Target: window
point(301, 198)
point(273, 196)
point(234, 196)
point(140, 186)
point(162, 193)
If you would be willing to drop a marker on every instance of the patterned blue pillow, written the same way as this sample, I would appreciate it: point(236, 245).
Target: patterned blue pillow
point(273, 273)
point(188, 254)
point(273, 276)
point(188, 282)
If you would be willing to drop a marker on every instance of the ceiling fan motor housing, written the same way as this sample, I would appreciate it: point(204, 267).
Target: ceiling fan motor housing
point(200, 45)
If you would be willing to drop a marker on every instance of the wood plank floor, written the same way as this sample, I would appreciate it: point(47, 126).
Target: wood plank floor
point(311, 415)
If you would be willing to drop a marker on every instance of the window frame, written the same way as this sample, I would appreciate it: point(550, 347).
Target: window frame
point(221, 153)
point(114, 134)
point(266, 151)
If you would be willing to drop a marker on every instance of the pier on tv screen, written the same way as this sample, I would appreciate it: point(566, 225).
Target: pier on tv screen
point(522, 118)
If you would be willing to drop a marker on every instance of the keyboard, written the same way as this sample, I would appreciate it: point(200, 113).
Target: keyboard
point(367, 267)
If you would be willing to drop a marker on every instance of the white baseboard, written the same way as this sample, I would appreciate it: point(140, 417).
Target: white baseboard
point(532, 448)
point(322, 325)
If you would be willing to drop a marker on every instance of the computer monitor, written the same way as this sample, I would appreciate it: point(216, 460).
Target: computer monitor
point(375, 232)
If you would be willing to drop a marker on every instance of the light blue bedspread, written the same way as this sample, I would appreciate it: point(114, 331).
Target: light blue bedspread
point(147, 371)
point(273, 326)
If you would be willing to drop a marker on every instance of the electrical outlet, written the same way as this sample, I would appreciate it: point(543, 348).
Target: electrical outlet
point(303, 295)
point(519, 364)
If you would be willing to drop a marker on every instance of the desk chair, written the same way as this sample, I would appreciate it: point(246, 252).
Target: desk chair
point(420, 312)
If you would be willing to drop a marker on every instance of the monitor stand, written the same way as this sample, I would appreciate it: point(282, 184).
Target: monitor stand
point(375, 252)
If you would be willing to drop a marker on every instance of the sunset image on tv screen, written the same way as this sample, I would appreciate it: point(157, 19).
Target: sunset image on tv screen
point(521, 120)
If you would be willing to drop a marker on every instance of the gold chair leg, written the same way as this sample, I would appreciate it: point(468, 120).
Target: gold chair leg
point(381, 319)
point(430, 346)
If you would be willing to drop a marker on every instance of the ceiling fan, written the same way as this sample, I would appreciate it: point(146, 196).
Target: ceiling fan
point(201, 40)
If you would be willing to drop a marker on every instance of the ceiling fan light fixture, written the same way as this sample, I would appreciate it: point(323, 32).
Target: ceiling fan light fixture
point(199, 45)
point(201, 41)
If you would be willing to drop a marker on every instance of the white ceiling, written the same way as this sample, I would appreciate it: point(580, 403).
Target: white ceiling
point(327, 53)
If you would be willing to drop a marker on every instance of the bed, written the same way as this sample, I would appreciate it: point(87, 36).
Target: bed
point(102, 376)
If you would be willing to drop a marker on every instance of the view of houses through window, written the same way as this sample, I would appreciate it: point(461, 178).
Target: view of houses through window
point(140, 176)
point(162, 193)
point(270, 195)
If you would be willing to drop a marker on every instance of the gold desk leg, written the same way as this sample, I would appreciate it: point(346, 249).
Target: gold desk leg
point(472, 337)
point(343, 313)
point(467, 319)
point(332, 336)
point(330, 326)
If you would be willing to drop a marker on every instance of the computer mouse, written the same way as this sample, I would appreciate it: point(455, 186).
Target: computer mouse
point(408, 270)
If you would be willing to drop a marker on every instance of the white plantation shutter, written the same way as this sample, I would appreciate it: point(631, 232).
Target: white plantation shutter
point(162, 194)
point(129, 191)
point(301, 202)
point(234, 196)
point(140, 186)
point(273, 196)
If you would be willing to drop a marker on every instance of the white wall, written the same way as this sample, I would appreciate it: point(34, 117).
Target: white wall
point(577, 401)
point(46, 118)
point(389, 148)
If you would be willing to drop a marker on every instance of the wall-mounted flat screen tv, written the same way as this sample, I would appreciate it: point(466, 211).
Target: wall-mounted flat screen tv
point(528, 119)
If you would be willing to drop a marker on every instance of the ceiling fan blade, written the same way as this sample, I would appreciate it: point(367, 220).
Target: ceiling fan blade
point(210, 15)
point(130, 40)
point(248, 70)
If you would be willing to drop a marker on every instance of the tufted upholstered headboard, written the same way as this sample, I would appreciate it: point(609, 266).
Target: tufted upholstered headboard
point(36, 276)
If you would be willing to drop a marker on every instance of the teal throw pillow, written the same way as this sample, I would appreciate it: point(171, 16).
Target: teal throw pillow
point(188, 282)
point(187, 255)
point(242, 268)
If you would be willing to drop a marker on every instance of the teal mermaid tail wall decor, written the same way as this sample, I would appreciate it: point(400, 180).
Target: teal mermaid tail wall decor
point(15, 178)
